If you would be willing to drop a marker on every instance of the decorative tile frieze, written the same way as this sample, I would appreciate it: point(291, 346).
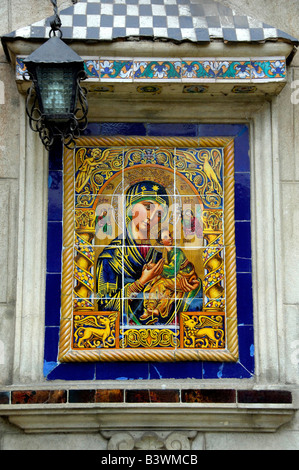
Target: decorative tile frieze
point(38, 397)
point(4, 398)
point(152, 396)
point(96, 396)
point(192, 396)
point(92, 68)
point(215, 69)
point(265, 69)
point(209, 396)
point(162, 69)
point(264, 396)
point(185, 70)
point(21, 69)
point(116, 69)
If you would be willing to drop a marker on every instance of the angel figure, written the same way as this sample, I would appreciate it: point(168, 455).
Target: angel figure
point(86, 168)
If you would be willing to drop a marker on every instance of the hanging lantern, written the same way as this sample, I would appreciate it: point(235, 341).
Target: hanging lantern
point(56, 103)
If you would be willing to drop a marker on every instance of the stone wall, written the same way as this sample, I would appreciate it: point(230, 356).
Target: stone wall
point(12, 15)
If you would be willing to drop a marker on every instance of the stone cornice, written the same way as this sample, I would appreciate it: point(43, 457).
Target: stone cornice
point(43, 411)
point(97, 417)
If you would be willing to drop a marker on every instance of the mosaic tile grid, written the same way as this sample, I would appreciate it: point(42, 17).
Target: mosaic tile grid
point(179, 70)
point(245, 367)
point(192, 20)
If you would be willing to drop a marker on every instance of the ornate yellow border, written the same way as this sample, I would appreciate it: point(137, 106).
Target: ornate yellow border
point(66, 353)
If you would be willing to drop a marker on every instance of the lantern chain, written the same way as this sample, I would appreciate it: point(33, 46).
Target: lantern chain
point(55, 20)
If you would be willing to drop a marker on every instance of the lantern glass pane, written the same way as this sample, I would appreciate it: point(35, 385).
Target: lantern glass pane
point(56, 88)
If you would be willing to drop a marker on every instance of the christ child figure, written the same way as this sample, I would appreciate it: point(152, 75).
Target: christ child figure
point(178, 273)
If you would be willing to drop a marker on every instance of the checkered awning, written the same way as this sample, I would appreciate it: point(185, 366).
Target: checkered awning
point(176, 20)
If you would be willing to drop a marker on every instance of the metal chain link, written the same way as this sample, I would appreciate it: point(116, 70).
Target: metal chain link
point(55, 21)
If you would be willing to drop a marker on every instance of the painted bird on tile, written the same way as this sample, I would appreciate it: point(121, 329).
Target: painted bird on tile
point(213, 172)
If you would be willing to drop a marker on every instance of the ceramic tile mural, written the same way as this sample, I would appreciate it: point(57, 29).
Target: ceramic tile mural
point(149, 252)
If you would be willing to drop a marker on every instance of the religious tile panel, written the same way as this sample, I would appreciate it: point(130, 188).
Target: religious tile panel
point(149, 264)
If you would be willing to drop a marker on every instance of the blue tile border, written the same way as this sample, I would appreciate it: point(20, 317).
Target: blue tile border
point(55, 186)
point(242, 197)
point(244, 298)
point(51, 343)
point(73, 371)
point(244, 369)
point(181, 130)
point(54, 247)
point(53, 299)
point(188, 370)
point(243, 239)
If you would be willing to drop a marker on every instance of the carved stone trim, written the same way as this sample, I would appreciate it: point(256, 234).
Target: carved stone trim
point(174, 418)
point(158, 440)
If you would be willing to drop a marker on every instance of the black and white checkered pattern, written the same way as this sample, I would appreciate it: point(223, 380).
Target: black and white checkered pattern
point(178, 20)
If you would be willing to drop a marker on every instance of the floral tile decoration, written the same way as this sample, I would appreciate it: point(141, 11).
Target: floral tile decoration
point(116, 69)
point(152, 254)
point(103, 69)
point(157, 70)
point(216, 69)
point(268, 69)
point(91, 68)
point(21, 69)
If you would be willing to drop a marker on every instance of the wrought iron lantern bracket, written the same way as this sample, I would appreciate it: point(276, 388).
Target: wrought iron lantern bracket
point(56, 103)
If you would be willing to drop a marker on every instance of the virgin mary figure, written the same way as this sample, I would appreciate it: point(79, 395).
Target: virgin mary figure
point(132, 261)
